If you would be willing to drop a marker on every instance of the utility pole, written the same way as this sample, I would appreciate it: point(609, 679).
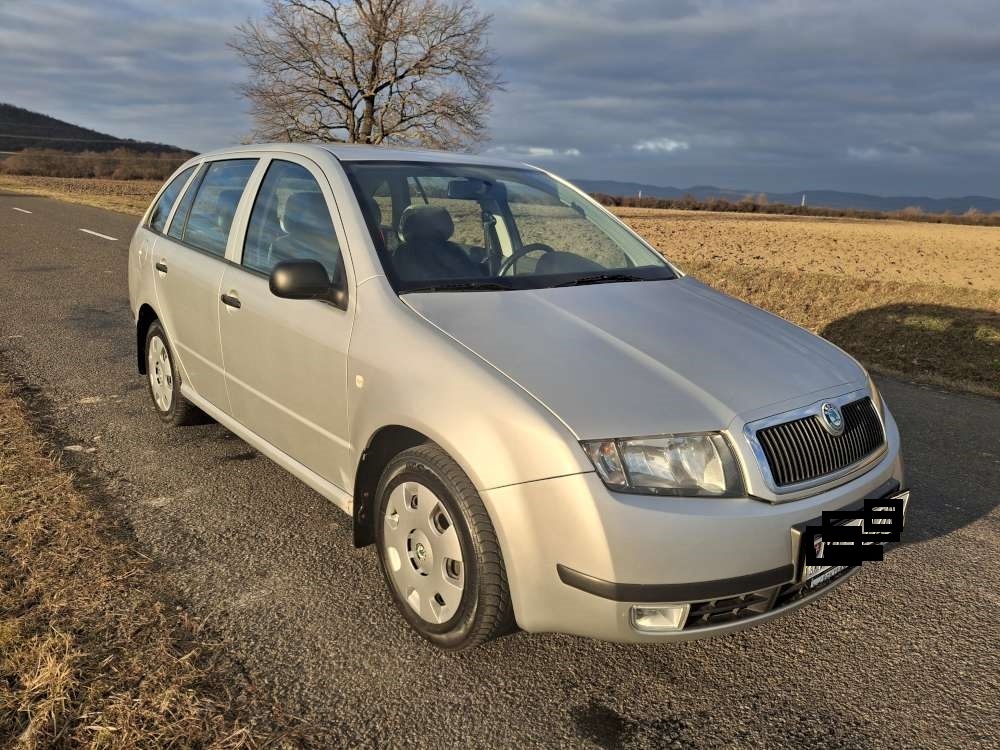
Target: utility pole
point(803, 200)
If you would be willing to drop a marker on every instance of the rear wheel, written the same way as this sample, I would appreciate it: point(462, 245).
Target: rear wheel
point(164, 381)
point(439, 551)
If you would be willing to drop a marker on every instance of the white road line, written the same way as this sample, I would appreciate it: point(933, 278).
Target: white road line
point(98, 234)
point(22, 210)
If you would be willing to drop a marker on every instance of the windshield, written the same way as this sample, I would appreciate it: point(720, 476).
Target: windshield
point(444, 227)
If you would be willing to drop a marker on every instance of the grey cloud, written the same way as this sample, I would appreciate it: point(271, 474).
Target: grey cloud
point(782, 95)
point(122, 68)
point(779, 95)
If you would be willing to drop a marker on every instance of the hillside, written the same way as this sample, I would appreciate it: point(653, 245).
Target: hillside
point(23, 129)
point(825, 198)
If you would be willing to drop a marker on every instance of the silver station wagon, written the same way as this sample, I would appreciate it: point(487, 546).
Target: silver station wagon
point(537, 420)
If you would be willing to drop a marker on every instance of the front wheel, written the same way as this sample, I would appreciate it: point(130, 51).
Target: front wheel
point(439, 551)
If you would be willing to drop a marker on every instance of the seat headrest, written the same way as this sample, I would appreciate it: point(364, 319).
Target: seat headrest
point(225, 206)
point(375, 210)
point(306, 213)
point(432, 223)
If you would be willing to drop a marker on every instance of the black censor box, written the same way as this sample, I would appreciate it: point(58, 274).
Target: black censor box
point(852, 537)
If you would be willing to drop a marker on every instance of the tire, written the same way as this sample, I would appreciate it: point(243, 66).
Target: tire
point(164, 382)
point(454, 607)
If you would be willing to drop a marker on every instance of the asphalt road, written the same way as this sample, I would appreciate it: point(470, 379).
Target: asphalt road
point(905, 654)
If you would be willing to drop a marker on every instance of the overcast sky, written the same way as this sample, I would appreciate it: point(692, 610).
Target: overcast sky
point(882, 96)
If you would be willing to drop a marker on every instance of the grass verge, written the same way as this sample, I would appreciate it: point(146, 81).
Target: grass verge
point(125, 196)
point(929, 333)
point(92, 653)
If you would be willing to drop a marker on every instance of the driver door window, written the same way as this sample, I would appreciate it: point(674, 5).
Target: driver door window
point(290, 220)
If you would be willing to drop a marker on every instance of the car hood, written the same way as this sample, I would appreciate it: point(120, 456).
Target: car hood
point(640, 358)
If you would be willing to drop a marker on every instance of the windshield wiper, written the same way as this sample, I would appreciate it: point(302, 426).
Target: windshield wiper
point(461, 286)
point(603, 278)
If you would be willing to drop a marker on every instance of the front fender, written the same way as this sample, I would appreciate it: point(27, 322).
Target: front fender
point(404, 371)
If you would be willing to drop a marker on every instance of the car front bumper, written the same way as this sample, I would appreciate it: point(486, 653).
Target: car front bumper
point(579, 556)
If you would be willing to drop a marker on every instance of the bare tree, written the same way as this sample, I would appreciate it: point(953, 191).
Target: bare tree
point(369, 71)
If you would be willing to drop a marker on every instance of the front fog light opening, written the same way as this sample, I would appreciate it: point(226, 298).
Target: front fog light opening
point(664, 618)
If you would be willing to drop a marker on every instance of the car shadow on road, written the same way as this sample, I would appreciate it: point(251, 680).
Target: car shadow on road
point(951, 441)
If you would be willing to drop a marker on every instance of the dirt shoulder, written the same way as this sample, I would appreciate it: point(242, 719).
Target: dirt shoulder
point(93, 650)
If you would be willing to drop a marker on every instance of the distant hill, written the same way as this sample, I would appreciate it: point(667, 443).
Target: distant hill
point(21, 129)
point(826, 198)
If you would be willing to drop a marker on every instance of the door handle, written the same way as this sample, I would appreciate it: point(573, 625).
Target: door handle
point(228, 299)
point(161, 266)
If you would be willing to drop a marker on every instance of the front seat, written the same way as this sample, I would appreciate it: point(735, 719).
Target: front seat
point(426, 252)
point(225, 208)
point(309, 232)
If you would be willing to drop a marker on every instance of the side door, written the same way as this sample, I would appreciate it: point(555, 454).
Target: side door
point(286, 360)
point(188, 265)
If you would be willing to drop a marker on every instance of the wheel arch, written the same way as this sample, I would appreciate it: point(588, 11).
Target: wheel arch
point(144, 319)
point(385, 443)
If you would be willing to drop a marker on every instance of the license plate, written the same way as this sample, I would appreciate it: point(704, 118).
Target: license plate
point(817, 575)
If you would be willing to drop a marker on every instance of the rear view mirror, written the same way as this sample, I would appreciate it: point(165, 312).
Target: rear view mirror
point(476, 190)
point(301, 279)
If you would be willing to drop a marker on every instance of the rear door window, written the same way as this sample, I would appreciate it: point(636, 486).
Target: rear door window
point(207, 221)
point(158, 218)
point(290, 220)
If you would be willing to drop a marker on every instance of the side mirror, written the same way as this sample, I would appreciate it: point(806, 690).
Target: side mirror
point(304, 279)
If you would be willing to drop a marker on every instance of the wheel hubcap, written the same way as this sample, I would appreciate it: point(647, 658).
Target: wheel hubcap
point(423, 552)
point(161, 374)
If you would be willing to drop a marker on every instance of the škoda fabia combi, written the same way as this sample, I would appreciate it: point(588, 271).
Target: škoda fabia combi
point(536, 419)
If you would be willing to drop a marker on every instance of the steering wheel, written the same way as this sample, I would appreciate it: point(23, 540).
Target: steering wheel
point(508, 265)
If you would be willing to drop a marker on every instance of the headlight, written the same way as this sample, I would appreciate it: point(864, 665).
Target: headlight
point(876, 398)
point(688, 465)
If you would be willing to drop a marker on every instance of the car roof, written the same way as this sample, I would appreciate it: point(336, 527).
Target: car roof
point(347, 152)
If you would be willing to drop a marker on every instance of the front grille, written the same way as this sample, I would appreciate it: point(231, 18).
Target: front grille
point(801, 450)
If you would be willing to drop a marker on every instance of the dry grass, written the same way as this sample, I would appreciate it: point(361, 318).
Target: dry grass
point(954, 255)
point(915, 300)
point(91, 654)
point(924, 332)
point(114, 164)
point(126, 196)
point(759, 204)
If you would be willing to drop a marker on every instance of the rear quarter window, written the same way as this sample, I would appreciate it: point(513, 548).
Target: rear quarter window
point(158, 217)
